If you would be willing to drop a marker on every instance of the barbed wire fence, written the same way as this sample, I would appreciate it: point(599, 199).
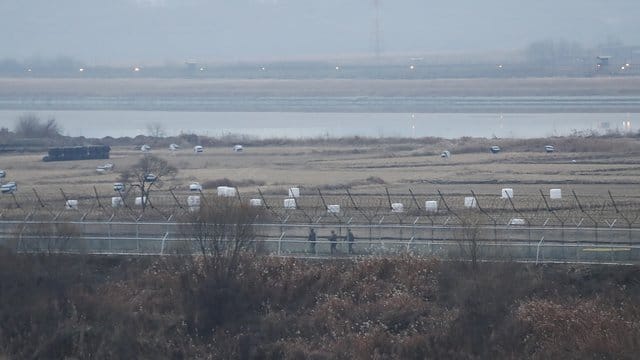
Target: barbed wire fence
point(543, 226)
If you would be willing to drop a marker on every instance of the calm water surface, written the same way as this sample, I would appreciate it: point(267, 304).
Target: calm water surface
point(100, 123)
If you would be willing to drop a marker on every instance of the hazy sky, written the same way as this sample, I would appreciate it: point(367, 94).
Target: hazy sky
point(108, 31)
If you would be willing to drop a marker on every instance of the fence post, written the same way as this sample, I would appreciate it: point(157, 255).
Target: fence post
point(413, 228)
point(380, 231)
point(109, 245)
point(538, 250)
point(164, 238)
point(371, 233)
point(280, 243)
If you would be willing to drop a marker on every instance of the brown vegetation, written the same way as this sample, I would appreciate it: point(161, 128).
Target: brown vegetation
point(212, 184)
point(116, 307)
point(611, 163)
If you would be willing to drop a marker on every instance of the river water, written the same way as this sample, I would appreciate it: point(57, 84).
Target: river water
point(119, 123)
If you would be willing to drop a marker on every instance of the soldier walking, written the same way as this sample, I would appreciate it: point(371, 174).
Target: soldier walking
point(312, 241)
point(350, 240)
point(333, 239)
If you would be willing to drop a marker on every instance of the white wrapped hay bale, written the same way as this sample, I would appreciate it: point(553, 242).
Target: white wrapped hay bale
point(140, 200)
point(255, 202)
point(470, 202)
point(333, 209)
point(431, 206)
point(289, 203)
point(117, 202)
point(71, 205)
point(507, 193)
point(226, 191)
point(294, 192)
point(397, 207)
point(193, 201)
point(517, 221)
point(555, 194)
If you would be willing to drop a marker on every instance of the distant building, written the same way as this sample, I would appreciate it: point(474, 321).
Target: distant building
point(192, 66)
point(602, 62)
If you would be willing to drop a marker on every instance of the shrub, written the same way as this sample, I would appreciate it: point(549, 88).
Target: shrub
point(591, 328)
point(59, 306)
point(212, 184)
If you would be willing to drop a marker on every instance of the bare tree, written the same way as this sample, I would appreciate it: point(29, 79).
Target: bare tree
point(155, 129)
point(147, 173)
point(222, 232)
point(468, 238)
point(30, 126)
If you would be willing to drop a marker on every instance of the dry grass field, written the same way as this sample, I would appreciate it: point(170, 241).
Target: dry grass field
point(590, 166)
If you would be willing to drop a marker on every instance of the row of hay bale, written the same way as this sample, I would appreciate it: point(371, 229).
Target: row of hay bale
point(507, 193)
point(294, 193)
point(290, 203)
point(554, 194)
point(116, 202)
point(431, 206)
point(193, 201)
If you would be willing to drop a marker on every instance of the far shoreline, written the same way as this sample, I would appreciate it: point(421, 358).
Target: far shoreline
point(474, 95)
point(316, 104)
point(187, 87)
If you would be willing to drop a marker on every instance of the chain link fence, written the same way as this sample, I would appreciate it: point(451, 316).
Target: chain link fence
point(534, 227)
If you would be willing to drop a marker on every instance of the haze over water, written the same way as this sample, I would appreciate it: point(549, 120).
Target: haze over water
point(126, 31)
point(36, 35)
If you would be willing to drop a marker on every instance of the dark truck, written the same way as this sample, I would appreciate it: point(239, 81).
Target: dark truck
point(78, 153)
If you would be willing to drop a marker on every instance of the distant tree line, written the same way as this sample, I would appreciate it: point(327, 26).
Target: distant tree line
point(55, 66)
point(540, 58)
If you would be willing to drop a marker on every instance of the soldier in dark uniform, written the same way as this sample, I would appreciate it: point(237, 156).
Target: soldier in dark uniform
point(333, 239)
point(312, 241)
point(350, 240)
